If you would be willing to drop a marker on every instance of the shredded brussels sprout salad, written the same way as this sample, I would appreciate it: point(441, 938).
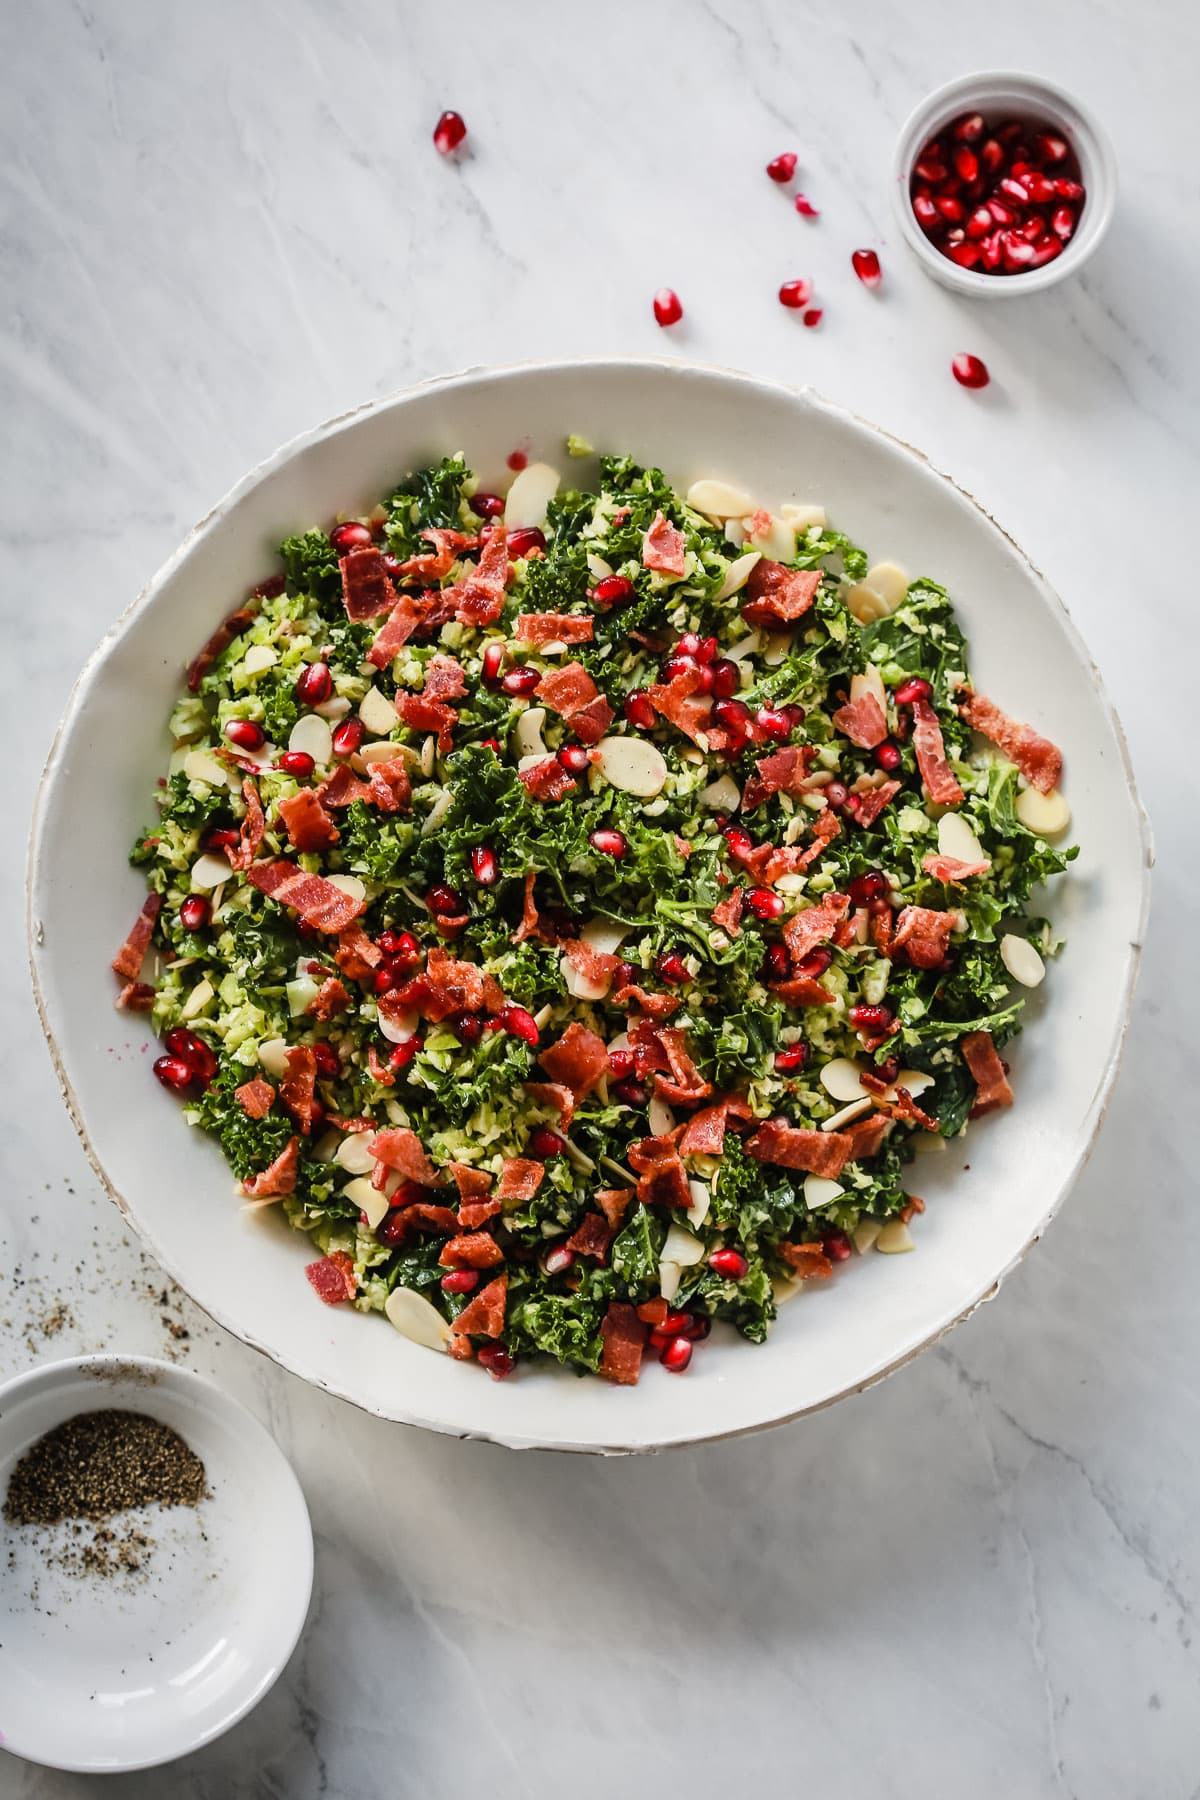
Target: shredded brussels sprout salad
point(574, 909)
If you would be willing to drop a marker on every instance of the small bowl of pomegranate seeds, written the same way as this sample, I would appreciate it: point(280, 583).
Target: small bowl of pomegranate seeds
point(1004, 184)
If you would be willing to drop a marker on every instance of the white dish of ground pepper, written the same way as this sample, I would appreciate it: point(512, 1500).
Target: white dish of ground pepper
point(155, 1563)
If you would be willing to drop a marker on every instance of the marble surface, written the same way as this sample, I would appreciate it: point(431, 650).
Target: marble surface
point(219, 224)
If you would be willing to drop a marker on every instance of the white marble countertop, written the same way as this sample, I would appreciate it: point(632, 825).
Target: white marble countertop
point(219, 224)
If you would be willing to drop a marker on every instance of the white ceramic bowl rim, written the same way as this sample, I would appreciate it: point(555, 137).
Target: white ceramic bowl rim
point(1020, 92)
point(405, 1408)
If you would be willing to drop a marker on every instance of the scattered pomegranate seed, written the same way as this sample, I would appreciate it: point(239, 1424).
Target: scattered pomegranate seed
point(739, 840)
point(492, 744)
point(519, 1024)
point(620, 1064)
point(670, 967)
point(525, 539)
point(773, 722)
point(966, 164)
point(815, 963)
point(545, 1143)
point(777, 964)
point(484, 866)
point(678, 665)
point(184, 1044)
point(875, 1019)
point(517, 460)
point(195, 912)
point(449, 132)
point(349, 536)
point(873, 885)
point(399, 944)
point(813, 316)
point(726, 678)
point(521, 681)
point(609, 843)
point(297, 763)
point(795, 294)
point(865, 264)
point(491, 663)
point(403, 1054)
point(386, 978)
point(805, 207)
point(486, 506)
point(613, 590)
point(460, 1281)
point(639, 710)
point(558, 1260)
point(467, 1027)
point(314, 684)
point(794, 1057)
point(348, 737)
point(173, 1072)
point(444, 900)
point(245, 734)
point(765, 904)
point(327, 1060)
point(667, 309)
point(970, 371)
point(915, 688)
point(392, 1230)
point(702, 649)
point(925, 210)
point(836, 1246)
point(575, 759)
point(782, 167)
point(496, 1360)
point(676, 1355)
point(729, 1263)
point(887, 756)
point(969, 129)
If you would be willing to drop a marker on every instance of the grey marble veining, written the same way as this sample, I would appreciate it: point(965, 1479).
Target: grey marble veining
point(221, 223)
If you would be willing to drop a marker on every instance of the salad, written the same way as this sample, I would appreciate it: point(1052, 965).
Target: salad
point(575, 909)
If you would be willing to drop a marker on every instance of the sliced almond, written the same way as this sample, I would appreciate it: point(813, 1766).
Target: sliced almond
point(202, 765)
point(776, 539)
point(913, 1081)
point(579, 1159)
point(527, 732)
point(660, 1117)
point(272, 1057)
point(818, 1191)
point(795, 883)
point(854, 1110)
point(865, 604)
point(603, 936)
point(333, 709)
point(776, 645)
point(632, 764)
point(719, 499)
point(437, 813)
point(928, 1143)
point(312, 735)
point(428, 756)
point(738, 574)
point(198, 999)
point(866, 1235)
point(386, 752)
point(259, 657)
point(722, 795)
point(840, 1078)
point(209, 871)
point(1045, 814)
point(955, 838)
point(529, 496)
point(889, 581)
point(1022, 960)
point(397, 1028)
point(735, 533)
point(701, 1194)
point(349, 884)
point(353, 1155)
point(669, 1276)
point(803, 518)
point(369, 1199)
point(682, 1247)
point(745, 647)
point(377, 712)
point(579, 985)
point(598, 569)
point(417, 1318)
point(895, 1238)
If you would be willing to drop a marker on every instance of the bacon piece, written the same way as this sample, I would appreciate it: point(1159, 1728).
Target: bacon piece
point(793, 1147)
point(655, 1006)
point(252, 831)
point(953, 870)
point(320, 904)
point(395, 631)
point(480, 598)
point(377, 1070)
point(471, 1183)
point(520, 1178)
point(547, 779)
point(727, 913)
point(863, 721)
point(223, 636)
point(279, 1177)
point(474, 1213)
point(432, 1218)
point(420, 714)
point(987, 1072)
point(484, 1315)
point(366, 588)
point(331, 1000)
point(342, 789)
point(815, 925)
point(578, 1059)
point(825, 829)
point(401, 1149)
point(255, 1097)
point(900, 1105)
point(869, 806)
point(433, 565)
point(493, 994)
point(476, 1204)
point(127, 963)
point(461, 984)
point(1039, 761)
point(136, 996)
point(624, 1338)
point(595, 966)
point(686, 1083)
point(808, 1261)
point(784, 771)
point(566, 690)
point(592, 721)
point(308, 824)
point(296, 1090)
point(704, 1133)
point(664, 548)
point(444, 679)
point(356, 956)
point(529, 912)
point(553, 1093)
point(777, 596)
point(591, 1237)
point(473, 1250)
point(924, 933)
point(939, 778)
point(662, 1178)
point(555, 628)
point(867, 1136)
point(390, 788)
point(614, 1204)
point(683, 706)
point(332, 1278)
point(801, 990)
point(648, 1049)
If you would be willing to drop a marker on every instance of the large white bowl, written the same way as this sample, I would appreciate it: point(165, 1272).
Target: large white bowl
point(172, 1184)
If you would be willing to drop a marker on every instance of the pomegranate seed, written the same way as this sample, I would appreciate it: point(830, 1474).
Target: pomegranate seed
point(521, 681)
point(735, 715)
point(1062, 222)
point(525, 539)
point(297, 763)
point(1045, 250)
point(875, 1019)
point(558, 1260)
point(1013, 189)
point(951, 208)
point(667, 309)
point(613, 590)
point(449, 132)
point(980, 222)
point(836, 1246)
point(575, 759)
point(1067, 189)
point(992, 251)
point(620, 1064)
point(1018, 252)
point(671, 967)
point(805, 207)
point(815, 963)
point(492, 744)
point(467, 1027)
point(726, 678)
point(348, 737)
point(729, 1263)
point(676, 1355)
point(930, 169)
point(783, 166)
point(245, 734)
point(349, 536)
point(327, 1060)
point(460, 1281)
point(192, 1050)
point(965, 255)
point(486, 506)
point(545, 1143)
point(925, 212)
point(443, 900)
point(496, 1360)
point(772, 722)
point(794, 1057)
point(1041, 188)
point(519, 1024)
point(173, 1072)
point(609, 843)
point(795, 294)
point(400, 944)
point(195, 912)
point(865, 264)
point(639, 710)
point(1032, 227)
point(887, 756)
point(956, 236)
point(219, 837)
point(836, 795)
point(740, 842)
point(813, 316)
point(970, 372)
point(517, 460)
point(915, 688)
point(872, 885)
point(633, 1093)
point(314, 684)
point(764, 904)
point(702, 649)
point(991, 156)
point(777, 964)
point(968, 129)
point(386, 978)
point(484, 866)
point(403, 1054)
point(966, 163)
point(491, 663)
point(1054, 149)
point(678, 665)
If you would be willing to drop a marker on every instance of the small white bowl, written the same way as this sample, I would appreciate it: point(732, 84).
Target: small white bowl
point(1004, 93)
point(107, 1673)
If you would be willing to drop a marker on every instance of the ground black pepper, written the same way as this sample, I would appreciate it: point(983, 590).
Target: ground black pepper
point(100, 1463)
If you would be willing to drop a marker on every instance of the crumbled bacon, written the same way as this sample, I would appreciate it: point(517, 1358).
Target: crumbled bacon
point(624, 1339)
point(784, 771)
point(727, 913)
point(252, 831)
point(689, 710)
point(401, 1150)
point(320, 904)
point(1039, 761)
point(662, 1178)
point(578, 1059)
point(219, 642)
point(366, 588)
point(777, 596)
point(127, 963)
point(331, 1000)
point(390, 788)
point(332, 1278)
point(924, 934)
point(987, 1072)
point(664, 548)
point(356, 956)
point(868, 806)
point(472, 1250)
point(793, 1147)
point(520, 1178)
point(308, 825)
point(704, 1133)
point(863, 721)
point(571, 692)
point(296, 1089)
point(342, 789)
point(420, 714)
point(953, 870)
point(444, 679)
point(553, 1093)
point(866, 1136)
point(395, 631)
point(801, 990)
point(591, 1237)
point(547, 780)
point(255, 1097)
point(433, 565)
point(529, 912)
point(479, 599)
point(136, 996)
point(815, 925)
point(941, 784)
point(279, 1177)
point(483, 1316)
point(592, 721)
point(614, 1204)
point(555, 628)
point(657, 1006)
point(808, 1261)
point(686, 1083)
point(595, 966)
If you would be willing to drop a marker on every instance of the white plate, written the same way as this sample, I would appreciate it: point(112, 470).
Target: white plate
point(782, 445)
point(104, 1673)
